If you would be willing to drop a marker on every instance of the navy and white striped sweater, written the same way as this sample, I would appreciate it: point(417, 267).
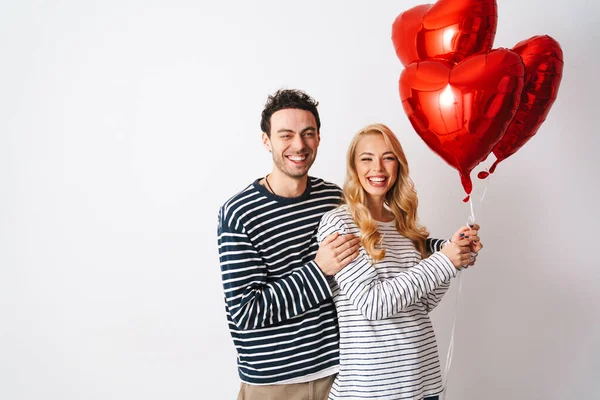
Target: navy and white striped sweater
point(278, 302)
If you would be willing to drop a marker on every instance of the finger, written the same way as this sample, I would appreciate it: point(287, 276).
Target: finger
point(465, 252)
point(346, 253)
point(473, 258)
point(355, 245)
point(342, 239)
point(473, 238)
point(461, 232)
point(463, 242)
point(464, 229)
point(475, 227)
point(350, 244)
point(471, 232)
point(330, 238)
point(348, 259)
point(462, 251)
point(477, 246)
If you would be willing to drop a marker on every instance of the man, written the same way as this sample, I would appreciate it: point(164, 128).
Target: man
point(278, 300)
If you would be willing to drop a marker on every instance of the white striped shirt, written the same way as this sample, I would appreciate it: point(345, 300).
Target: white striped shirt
point(387, 342)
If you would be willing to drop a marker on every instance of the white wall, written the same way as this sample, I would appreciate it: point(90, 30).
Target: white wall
point(125, 124)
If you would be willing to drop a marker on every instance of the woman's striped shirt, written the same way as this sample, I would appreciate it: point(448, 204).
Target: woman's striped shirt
point(387, 342)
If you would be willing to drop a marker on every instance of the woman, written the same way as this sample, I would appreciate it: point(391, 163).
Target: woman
point(387, 343)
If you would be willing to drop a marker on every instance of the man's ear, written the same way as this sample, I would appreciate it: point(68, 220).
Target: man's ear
point(266, 141)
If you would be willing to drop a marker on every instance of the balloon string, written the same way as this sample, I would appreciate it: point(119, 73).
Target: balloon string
point(471, 218)
point(451, 346)
point(470, 221)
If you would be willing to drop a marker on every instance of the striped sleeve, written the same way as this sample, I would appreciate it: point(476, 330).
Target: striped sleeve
point(432, 245)
point(432, 299)
point(253, 301)
point(378, 298)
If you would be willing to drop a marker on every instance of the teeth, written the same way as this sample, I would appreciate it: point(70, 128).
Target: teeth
point(377, 179)
point(297, 158)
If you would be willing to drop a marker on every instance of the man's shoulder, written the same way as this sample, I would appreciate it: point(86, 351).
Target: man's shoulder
point(319, 184)
point(239, 199)
point(247, 190)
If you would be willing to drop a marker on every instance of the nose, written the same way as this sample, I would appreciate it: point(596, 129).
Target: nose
point(377, 164)
point(298, 142)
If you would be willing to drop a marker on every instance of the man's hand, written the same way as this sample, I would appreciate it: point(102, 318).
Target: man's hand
point(337, 251)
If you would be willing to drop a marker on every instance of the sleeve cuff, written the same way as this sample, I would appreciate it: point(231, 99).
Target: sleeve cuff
point(444, 263)
point(321, 279)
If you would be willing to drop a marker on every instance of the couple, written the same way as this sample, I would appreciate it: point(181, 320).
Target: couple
point(328, 291)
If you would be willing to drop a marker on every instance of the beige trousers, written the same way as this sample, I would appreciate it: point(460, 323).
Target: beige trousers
point(313, 390)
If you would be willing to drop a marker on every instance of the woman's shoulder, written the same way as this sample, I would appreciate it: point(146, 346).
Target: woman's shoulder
point(340, 212)
point(339, 216)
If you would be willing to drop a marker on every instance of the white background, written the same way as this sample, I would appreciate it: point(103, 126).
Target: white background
point(125, 124)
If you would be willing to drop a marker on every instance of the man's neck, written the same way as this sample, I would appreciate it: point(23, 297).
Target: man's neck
point(285, 186)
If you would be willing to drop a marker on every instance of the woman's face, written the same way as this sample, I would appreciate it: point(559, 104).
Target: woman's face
point(376, 165)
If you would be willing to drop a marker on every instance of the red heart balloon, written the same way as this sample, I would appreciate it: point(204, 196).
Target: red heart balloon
point(543, 59)
point(449, 29)
point(461, 111)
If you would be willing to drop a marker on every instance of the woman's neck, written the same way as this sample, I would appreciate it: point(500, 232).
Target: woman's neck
point(379, 212)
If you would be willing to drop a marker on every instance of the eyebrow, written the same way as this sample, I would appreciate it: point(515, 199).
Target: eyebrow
point(366, 153)
point(286, 130)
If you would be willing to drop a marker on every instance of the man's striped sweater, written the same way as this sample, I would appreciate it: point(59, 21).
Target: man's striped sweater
point(278, 302)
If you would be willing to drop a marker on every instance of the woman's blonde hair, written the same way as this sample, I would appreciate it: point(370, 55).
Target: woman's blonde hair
point(401, 198)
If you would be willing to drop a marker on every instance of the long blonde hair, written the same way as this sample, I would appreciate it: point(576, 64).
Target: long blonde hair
point(401, 198)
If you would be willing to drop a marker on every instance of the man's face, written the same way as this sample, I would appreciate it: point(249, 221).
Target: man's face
point(294, 141)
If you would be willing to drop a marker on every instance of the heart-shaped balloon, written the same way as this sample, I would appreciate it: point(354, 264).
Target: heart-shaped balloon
point(461, 111)
point(543, 59)
point(449, 29)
